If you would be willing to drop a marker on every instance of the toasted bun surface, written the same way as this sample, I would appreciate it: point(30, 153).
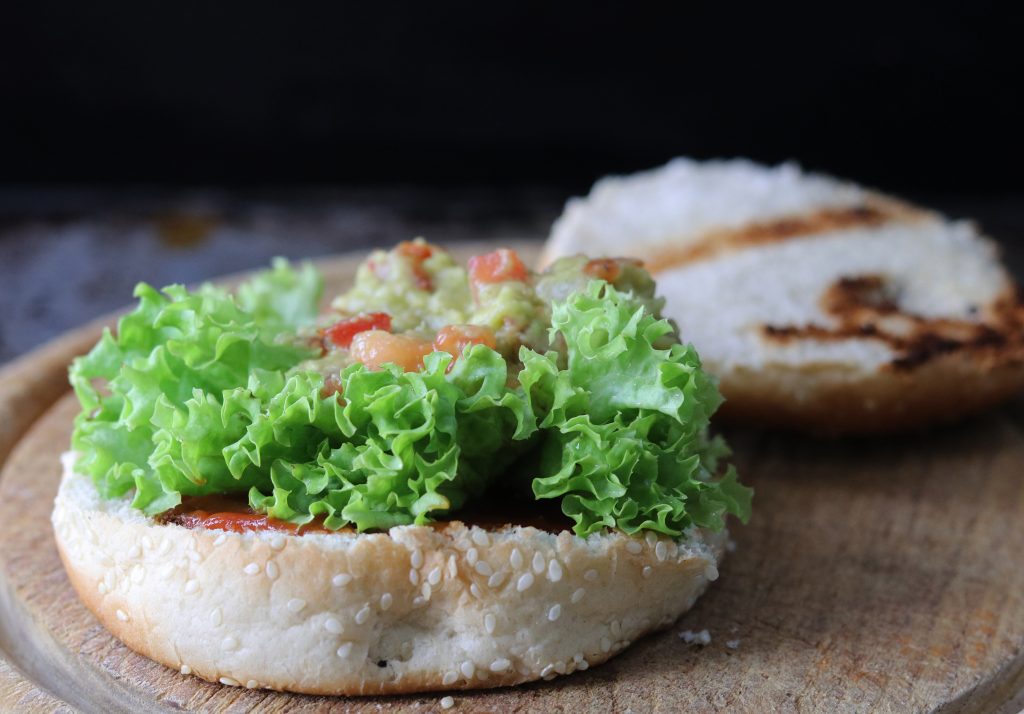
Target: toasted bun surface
point(413, 609)
point(819, 304)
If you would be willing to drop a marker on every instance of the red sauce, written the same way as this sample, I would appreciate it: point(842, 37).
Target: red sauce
point(232, 513)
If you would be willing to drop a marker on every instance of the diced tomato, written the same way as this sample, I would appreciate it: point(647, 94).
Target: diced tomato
point(500, 266)
point(376, 347)
point(454, 339)
point(417, 252)
point(340, 334)
point(332, 387)
point(608, 269)
point(603, 269)
point(412, 249)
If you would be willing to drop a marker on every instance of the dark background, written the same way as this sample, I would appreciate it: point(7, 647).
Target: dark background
point(176, 141)
point(912, 97)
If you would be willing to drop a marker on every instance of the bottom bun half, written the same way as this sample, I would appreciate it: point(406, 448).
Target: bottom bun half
point(414, 609)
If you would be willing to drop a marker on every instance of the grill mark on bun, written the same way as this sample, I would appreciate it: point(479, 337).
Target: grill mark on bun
point(866, 307)
point(822, 221)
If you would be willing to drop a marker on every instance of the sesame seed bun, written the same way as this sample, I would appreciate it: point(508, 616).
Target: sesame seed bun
point(414, 609)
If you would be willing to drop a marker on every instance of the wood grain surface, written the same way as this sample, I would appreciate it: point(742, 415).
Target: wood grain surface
point(883, 576)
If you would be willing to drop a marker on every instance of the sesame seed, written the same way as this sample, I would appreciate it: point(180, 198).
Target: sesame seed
point(578, 595)
point(616, 629)
point(538, 563)
point(230, 682)
point(484, 568)
point(435, 576)
point(647, 571)
point(277, 542)
point(296, 604)
point(333, 625)
point(385, 601)
point(711, 572)
point(341, 580)
point(122, 615)
point(447, 702)
point(414, 576)
point(496, 579)
point(185, 669)
point(554, 571)
point(229, 643)
point(489, 623)
point(548, 669)
point(417, 559)
point(590, 575)
point(555, 612)
point(650, 538)
point(272, 571)
point(345, 649)
point(219, 540)
point(634, 547)
point(606, 644)
point(472, 556)
point(516, 559)
point(524, 582)
point(453, 568)
point(419, 601)
point(102, 587)
point(584, 665)
point(426, 591)
point(363, 615)
point(578, 657)
point(661, 550)
point(192, 586)
point(450, 678)
point(147, 542)
point(252, 684)
point(480, 538)
point(135, 551)
point(251, 569)
point(216, 617)
point(467, 668)
point(109, 579)
point(473, 588)
point(165, 546)
point(500, 665)
point(560, 667)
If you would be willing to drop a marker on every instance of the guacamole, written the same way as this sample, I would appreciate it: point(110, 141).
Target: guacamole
point(433, 303)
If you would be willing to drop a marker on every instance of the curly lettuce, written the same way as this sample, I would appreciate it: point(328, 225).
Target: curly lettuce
point(626, 423)
point(204, 393)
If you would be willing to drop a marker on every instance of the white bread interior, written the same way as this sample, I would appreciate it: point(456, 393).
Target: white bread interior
point(414, 609)
point(747, 258)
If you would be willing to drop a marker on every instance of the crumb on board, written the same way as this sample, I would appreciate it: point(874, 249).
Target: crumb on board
point(699, 638)
point(732, 644)
point(447, 702)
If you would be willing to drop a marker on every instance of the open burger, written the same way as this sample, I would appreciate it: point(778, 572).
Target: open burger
point(454, 479)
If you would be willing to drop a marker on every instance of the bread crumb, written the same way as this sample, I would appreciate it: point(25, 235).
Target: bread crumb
point(697, 638)
point(447, 702)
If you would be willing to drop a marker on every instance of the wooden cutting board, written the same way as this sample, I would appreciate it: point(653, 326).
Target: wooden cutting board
point(876, 575)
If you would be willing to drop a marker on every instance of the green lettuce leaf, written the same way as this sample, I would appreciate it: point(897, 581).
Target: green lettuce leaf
point(626, 425)
point(202, 393)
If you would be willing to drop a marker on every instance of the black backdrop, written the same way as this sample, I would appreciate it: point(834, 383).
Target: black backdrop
point(271, 92)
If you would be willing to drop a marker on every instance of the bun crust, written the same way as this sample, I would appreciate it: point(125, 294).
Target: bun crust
point(414, 609)
point(820, 305)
